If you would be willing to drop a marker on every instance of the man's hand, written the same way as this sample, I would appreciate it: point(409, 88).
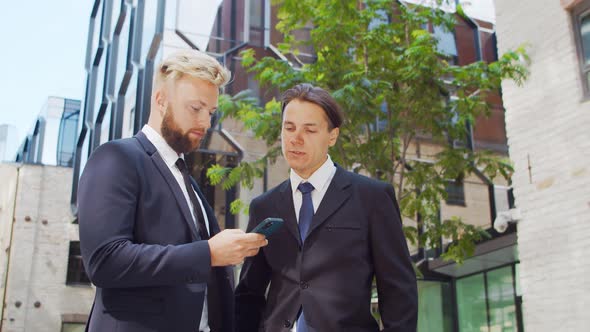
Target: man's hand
point(231, 246)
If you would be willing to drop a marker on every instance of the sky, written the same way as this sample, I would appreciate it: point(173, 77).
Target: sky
point(43, 51)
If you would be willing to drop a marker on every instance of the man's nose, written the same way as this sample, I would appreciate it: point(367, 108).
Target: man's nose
point(205, 120)
point(296, 138)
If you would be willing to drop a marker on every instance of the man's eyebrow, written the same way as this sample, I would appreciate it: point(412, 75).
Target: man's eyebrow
point(308, 124)
point(202, 103)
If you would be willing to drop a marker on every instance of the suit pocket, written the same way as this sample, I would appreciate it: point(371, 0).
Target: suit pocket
point(133, 303)
point(343, 225)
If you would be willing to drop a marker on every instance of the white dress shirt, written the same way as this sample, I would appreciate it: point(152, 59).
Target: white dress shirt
point(320, 180)
point(170, 157)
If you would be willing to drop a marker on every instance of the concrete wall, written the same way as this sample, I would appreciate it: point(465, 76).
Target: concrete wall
point(37, 296)
point(549, 141)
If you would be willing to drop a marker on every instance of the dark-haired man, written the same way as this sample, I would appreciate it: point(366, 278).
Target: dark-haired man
point(341, 231)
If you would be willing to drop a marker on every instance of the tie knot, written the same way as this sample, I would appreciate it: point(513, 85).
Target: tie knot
point(181, 165)
point(305, 187)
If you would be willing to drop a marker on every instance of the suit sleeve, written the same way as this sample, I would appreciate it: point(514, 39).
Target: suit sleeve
point(396, 279)
point(107, 199)
point(250, 298)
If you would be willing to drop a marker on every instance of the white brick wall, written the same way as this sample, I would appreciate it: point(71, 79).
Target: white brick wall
point(39, 253)
point(547, 121)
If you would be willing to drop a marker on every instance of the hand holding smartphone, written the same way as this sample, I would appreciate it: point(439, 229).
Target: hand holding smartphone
point(268, 226)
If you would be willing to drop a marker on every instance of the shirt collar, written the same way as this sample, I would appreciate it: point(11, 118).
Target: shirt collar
point(318, 179)
point(166, 152)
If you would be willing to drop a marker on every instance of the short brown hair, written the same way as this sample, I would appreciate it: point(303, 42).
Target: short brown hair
point(318, 96)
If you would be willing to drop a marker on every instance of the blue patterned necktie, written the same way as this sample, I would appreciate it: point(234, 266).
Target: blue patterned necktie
point(305, 217)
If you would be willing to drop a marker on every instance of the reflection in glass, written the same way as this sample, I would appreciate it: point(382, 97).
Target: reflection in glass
point(434, 303)
point(446, 41)
point(501, 300)
point(68, 130)
point(471, 303)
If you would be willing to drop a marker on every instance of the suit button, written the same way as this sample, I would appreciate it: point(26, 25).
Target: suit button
point(287, 323)
point(303, 285)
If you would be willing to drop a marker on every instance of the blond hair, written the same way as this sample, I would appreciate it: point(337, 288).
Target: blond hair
point(195, 64)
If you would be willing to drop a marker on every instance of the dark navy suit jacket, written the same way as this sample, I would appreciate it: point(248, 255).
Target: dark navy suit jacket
point(355, 235)
point(141, 248)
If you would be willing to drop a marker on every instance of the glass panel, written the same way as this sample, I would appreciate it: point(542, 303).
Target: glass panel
point(471, 304)
point(257, 22)
point(99, 87)
point(96, 29)
point(257, 13)
point(433, 304)
point(585, 36)
point(67, 137)
point(106, 125)
point(123, 41)
point(446, 41)
point(150, 18)
point(501, 300)
point(73, 327)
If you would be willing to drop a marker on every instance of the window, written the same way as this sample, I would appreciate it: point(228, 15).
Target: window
point(68, 130)
point(76, 273)
point(446, 43)
point(581, 23)
point(435, 312)
point(487, 301)
point(257, 22)
point(455, 192)
point(73, 327)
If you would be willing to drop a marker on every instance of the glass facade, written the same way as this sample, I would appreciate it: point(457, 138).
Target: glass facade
point(434, 306)
point(488, 301)
point(471, 303)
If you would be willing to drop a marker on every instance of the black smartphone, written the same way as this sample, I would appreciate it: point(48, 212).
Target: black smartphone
point(268, 226)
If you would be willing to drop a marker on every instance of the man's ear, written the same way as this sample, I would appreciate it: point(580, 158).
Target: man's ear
point(160, 100)
point(334, 136)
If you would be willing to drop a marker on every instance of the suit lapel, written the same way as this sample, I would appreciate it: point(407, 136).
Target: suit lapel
point(337, 194)
point(172, 183)
point(285, 200)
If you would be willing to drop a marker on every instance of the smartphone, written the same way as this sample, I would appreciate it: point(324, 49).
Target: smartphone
point(268, 226)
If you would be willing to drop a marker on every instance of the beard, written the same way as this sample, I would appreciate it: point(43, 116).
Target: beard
point(173, 135)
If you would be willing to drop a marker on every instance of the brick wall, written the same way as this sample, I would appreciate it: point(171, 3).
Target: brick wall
point(548, 128)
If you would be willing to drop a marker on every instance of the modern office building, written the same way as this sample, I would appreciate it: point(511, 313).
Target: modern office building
point(547, 121)
point(51, 140)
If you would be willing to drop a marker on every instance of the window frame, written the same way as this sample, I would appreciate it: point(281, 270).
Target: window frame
point(579, 11)
point(453, 195)
point(78, 277)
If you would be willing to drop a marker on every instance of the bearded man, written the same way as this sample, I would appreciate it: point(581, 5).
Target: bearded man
point(149, 240)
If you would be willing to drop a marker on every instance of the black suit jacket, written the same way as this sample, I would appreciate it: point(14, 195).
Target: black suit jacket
point(355, 235)
point(141, 248)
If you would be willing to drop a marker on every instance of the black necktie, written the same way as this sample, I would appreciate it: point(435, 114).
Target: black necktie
point(305, 218)
point(198, 212)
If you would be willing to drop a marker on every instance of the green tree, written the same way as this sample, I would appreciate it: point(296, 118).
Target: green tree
point(379, 62)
